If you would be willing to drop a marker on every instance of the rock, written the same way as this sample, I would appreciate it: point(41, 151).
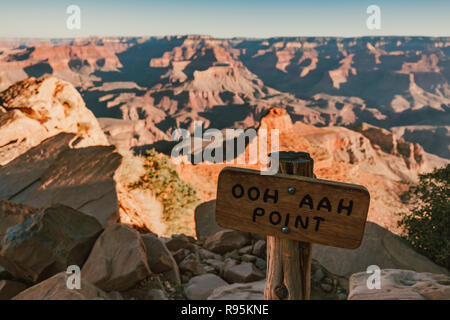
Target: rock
point(216, 264)
point(52, 172)
point(157, 294)
point(25, 171)
point(244, 272)
point(233, 255)
point(276, 118)
point(9, 289)
point(227, 264)
point(326, 287)
point(37, 109)
point(159, 257)
point(48, 242)
point(379, 247)
point(82, 179)
point(160, 260)
point(151, 288)
point(226, 240)
point(240, 291)
point(192, 264)
point(179, 241)
point(118, 260)
point(55, 288)
point(180, 254)
point(248, 258)
point(398, 284)
point(259, 249)
point(205, 220)
point(206, 254)
point(245, 250)
point(317, 275)
point(412, 153)
point(261, 264)
point(201, 287)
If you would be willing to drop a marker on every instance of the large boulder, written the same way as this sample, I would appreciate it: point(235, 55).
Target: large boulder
point(200, 287)
point(36, 109)
point(52, 172)
point(24, 172)
point(55, 288)
point(398, 284)
point(379, 247)
point(47, 242)
point(118, 260)
point(226, 240)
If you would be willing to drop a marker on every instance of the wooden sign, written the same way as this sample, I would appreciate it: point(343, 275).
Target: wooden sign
point(292, 207)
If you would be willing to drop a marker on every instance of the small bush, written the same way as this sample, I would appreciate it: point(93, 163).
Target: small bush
point(427, 225)
point(176, 196)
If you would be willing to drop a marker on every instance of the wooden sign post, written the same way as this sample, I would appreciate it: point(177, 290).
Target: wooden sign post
point(294, 210)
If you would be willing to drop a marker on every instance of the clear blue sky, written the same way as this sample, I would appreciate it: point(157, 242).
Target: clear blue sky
point(231, 18)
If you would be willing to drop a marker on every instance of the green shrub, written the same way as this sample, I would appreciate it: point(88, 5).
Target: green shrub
point(176, 196)
point(427, 225)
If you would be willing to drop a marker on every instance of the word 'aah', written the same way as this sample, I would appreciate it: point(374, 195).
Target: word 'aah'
point(254, 194)
point(306, 202)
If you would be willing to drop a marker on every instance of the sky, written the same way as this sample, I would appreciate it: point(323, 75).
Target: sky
point(223, 19)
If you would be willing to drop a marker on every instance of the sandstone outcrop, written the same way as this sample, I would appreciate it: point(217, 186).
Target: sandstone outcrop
point(52, 172)
point(36, 109)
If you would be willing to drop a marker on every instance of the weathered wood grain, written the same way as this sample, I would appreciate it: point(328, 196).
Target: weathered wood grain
point(317, 212)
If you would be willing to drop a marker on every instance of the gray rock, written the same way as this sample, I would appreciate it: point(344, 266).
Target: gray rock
point(205, 221)
point(245, 250)
point(206, 254)
point(244, 272)
point(259, 249)
point(9, 289)
point(118, 260)
point(216, 264)
point(192, 264)
point(379, 247)
point(261, 264)
point(200, 287)
point(180, 254)
point(227, 263)
point(225, 241)
point(159, 257)
point(248, 258)
point(401, 285)
point(48, 242)
point(240, 291)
